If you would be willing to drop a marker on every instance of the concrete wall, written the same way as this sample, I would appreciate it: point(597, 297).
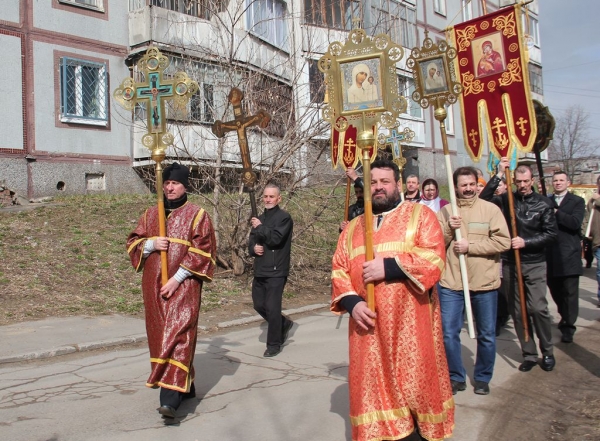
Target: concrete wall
point(11, 110)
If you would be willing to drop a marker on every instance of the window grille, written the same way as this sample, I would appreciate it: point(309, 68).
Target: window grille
point(84, 91)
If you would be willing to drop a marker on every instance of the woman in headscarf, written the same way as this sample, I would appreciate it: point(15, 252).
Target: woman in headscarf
point(430, 195)
point(480, 185)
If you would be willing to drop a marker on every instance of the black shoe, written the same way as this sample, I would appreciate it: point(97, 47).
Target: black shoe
point(286, 330)
point(271, 352)
point(191, 393)
point(527, 365)
point(481, 388)
point(548, 363)
point(498, 329)
point(458, 386)
point(166, 411)
point(567, 338)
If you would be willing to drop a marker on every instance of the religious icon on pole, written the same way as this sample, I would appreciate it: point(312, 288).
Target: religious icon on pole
point(394, 140)
point(153, 92)
point(427, 63)
point(362, 86)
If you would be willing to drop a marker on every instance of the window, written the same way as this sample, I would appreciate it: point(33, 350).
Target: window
point(467, 10)
point(195, 8)
point(266, 20)
point(332, 13)
point(394, 19)
point(535, 79)
point(439, 6)
point(406, 87)
point(202, 104)
point(83, 92)
point(89, 4)
point(316, 81)
point(531, 26)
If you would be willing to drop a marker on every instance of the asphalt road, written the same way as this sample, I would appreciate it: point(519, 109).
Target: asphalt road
point(301, 394)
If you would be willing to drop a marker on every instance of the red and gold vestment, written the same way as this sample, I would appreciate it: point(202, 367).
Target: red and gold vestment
point(172, 324)
point(398, 372)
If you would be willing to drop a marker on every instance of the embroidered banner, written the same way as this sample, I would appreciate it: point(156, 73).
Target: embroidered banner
point(344, 150)
point(492, 67)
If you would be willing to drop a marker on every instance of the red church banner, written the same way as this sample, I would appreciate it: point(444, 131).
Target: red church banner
point(344, 150)
point(492, 67)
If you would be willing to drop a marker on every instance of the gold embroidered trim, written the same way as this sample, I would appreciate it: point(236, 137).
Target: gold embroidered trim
point(197, 219)
point(170, 361)
point(403, 412)
point(201, 275)
point(339, 274)
point(134, 244)
point(411, 229)
point(180, 241)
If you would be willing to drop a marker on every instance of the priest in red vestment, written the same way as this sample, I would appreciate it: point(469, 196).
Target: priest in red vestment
point(172, 310)
point(398, 374)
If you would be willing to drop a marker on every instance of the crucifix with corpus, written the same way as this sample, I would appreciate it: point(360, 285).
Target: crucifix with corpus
point(239, 124)
point(153, 92)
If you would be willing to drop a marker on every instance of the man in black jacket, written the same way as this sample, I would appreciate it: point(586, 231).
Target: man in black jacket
point(564, 255)
point(536, 229)
point(270, 244)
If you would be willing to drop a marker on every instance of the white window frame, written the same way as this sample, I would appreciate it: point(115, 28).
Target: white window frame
point(439, 7)
point(78, 117)
point(95, 5)
point(406, 92)
point(449, 119)
point(467, 10)
point(273, 27)
point(534, 28)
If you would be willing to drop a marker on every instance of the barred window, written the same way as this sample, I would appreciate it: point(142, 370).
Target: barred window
point(439, 6)
point(84, 91)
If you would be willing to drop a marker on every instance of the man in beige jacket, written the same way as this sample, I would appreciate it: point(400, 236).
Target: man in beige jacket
point(484, 236)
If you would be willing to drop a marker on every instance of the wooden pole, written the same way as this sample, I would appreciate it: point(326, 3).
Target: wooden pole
point(440, 114)
point(515, 233)
point(538, 161)
point(162, 221)
point(369, 255)
point(347, 204)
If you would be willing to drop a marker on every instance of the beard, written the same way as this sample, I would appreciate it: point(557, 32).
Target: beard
point(383, 202)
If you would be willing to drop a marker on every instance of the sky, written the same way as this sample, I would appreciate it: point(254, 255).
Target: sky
point(570, 44)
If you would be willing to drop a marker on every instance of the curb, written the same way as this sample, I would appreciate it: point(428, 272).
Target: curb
point(132, 339)
point(71, 349)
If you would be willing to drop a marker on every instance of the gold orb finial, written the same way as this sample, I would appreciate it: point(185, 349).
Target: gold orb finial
point(365, 139)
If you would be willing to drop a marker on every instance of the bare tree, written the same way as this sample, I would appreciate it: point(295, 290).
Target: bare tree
point(290, 151)
point(571, 141)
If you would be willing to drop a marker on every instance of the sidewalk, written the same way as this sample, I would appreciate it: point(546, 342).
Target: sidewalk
point(61, 336)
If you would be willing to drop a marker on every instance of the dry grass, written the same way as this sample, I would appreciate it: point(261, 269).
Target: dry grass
point(68, 258)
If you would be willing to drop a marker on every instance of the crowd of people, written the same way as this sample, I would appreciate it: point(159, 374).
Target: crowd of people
point(417, 264)
point(405, 360)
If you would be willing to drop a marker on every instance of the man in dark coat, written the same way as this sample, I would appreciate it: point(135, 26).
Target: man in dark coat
point(563, 257)
point(270, 244)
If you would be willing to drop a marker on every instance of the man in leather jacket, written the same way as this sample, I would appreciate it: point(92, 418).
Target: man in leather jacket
point(536, 228)
point(270, 244)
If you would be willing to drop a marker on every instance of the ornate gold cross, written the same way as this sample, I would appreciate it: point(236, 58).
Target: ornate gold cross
point(240, 124)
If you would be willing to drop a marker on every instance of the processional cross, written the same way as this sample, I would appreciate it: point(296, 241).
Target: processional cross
point(394, 140)
point(153, 92)
point(240, 124)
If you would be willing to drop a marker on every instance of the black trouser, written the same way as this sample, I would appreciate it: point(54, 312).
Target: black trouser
point(588, 252)
point(267, 293)
point(565, 292)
